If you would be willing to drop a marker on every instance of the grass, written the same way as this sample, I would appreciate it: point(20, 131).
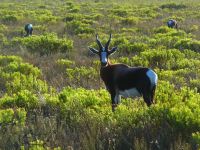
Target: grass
point(53, 97)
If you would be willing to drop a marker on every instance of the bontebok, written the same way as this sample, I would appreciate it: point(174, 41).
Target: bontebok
point(172, 23)
point(29, 29)
point(122, 80)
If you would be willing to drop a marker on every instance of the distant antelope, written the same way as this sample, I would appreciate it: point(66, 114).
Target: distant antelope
point(122, 80)
point(172, 23)
point(29, 29)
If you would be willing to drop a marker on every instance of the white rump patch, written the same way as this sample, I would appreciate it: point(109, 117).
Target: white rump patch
point(152, 77)
point(30, 26)
point(130, 93)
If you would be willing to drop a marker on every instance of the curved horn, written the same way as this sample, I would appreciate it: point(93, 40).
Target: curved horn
point(98, 41)
point(107, 44)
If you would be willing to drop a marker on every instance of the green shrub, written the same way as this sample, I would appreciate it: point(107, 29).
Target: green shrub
point(188, 44)
point(120, 12)
point(146, 13)
point(167, 37)
point(43, 16)
point(191, 54)
point(74, 9)
point(195, 83)
point(162, 29)
point(137, 47)
point(194, 28)
point(40, 29)
point(44, 44)
point(79, 27)
point(70, 17)
point(10, 116)
point(163, 59)
point(3, 28)
point(9, 19)
point(6, 60)
point(83, 97)
point(3, 40)
point(6, 116)
point(16, 75)
point(24, 99)
point(65, 63)
point(181, 77)
point(173, 6)
point(196, 137)
point(130, 21)
point(34, 115)
point(82, 75)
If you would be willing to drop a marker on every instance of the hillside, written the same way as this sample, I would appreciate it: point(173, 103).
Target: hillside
point(51, 94)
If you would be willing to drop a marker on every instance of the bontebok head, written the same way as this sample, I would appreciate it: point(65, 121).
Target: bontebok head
point(103, 52)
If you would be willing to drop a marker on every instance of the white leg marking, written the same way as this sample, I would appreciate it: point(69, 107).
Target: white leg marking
point(117, 99)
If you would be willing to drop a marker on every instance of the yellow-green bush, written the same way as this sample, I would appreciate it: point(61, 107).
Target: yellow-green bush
point(70, 113)
point(44, 44)
point(173, 6)
point(188, 44)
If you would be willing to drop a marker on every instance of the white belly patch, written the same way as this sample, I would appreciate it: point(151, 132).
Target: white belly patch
point(130, 93)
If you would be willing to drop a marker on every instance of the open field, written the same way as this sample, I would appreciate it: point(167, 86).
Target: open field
point(51, 94)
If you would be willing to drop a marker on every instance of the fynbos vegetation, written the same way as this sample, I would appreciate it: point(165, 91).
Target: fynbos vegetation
point(51, 94)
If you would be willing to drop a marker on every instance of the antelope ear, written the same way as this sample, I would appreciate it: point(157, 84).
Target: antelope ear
point(113, 50)
point(93, 50)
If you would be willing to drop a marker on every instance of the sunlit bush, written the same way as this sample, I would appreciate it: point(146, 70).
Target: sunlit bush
point(163, 59)
point(78, 27)
point(65, 63)
point(9, 19)
point(130, 21)
point(23, 99)
point(3, 40)
point(120, 12)
point(188, 44)
point(3, 28)
point(82, 75)
point(44, 44)
point(17, 75)
point(35, 115)
point(173, 6)
point(196, 137)
point(10, 116)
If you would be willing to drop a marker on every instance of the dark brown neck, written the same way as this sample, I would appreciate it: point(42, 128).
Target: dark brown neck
point(108, 64)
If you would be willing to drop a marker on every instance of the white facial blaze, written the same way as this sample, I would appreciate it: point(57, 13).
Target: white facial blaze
point(104, 57)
